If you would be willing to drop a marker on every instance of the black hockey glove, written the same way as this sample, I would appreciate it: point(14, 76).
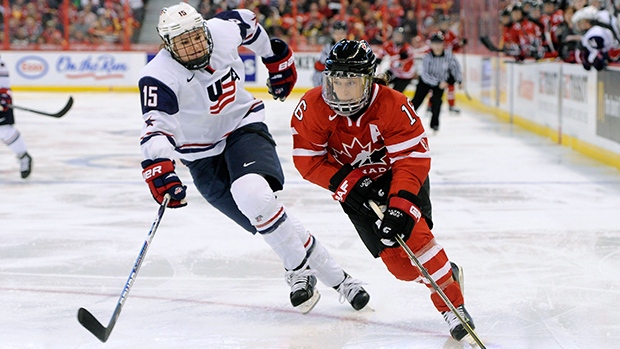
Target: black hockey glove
point(354, 188)
point(403, 54)
point(399, 218)
point(282, 71)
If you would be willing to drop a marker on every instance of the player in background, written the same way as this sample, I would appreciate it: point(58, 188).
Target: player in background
point(553, 20)
point(363, 141)
point(401, 60)
point(8, 133)
point(455, 44)
point(338, 32)
point(439, 69)
point(597, 43)
point(506, 23)
point(195, 108)
point(525, 36)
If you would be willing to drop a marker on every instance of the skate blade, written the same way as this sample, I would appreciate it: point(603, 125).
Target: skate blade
point(308, 305)
point(470, 340)
point(367, 308)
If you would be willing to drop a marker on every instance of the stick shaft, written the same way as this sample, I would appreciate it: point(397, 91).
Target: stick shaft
point(87, 319)
point(428, 277)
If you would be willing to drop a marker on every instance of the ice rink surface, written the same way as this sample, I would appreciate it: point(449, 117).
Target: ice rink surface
point(534, 225)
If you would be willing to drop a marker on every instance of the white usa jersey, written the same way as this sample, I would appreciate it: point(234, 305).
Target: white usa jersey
point(189, 113)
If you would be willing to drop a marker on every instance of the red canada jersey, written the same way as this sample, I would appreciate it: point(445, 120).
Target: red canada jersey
point(388, 135)
point(402, 68)
point(451, 41)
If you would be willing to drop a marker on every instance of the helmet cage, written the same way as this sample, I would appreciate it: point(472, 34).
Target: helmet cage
point(178, 20)
point(336, 82)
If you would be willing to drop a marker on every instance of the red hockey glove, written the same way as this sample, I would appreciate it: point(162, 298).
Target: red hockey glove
point(354, 188)
point(282, 71)
point(399, 218)
point(160, 176)
point(5, 99)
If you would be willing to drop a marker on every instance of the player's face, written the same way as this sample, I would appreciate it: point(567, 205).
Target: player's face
point(437, 47)
point(348, 89)
point(191, 45)
point(398, 38)
point(339, 35)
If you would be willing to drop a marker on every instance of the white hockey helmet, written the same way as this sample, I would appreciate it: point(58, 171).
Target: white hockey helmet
point(589, 13)
point(180, 19)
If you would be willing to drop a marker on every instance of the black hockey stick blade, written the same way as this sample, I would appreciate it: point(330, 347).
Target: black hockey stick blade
point(486, 41)
point(93, 325)
point(54, 115)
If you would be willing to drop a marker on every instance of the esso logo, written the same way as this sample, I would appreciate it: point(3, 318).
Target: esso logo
point(32, 67)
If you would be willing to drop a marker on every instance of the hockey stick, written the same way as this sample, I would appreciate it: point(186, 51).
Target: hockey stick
point(54, 115)
point(486, 41)
point(428, 277)
point(87, 319)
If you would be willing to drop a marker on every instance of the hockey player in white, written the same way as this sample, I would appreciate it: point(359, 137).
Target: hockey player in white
point(195, 109)
point(8, 133)
point(596, 41)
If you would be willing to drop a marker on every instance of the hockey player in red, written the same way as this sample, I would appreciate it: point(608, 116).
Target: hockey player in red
point(401, 57)
point(525, 36)
point(363, 141)
point(552, 18)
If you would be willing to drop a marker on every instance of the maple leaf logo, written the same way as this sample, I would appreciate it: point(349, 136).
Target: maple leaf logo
point(359, 155)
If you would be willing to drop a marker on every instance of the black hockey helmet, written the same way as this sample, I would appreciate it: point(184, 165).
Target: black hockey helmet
point(351, 56)
point(340, 25)
point(437, 37)
point(354, 62)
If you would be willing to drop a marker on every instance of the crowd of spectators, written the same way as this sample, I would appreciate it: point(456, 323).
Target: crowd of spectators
point(111, 21)
point(574, 31)
point(310, 22)
point(88, 21)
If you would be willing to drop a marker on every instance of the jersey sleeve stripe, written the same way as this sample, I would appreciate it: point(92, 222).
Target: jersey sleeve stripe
point(252, 37)
point(418, 155)
point(395, 148)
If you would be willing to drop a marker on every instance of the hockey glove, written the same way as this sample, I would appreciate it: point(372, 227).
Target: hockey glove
point(403, 54)
point(282, 71)
point(5, 99)
point(354, 188)
point(399, 218)
point(160, 176)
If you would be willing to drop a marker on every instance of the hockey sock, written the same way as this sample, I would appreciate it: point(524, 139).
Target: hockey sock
point(13, 139)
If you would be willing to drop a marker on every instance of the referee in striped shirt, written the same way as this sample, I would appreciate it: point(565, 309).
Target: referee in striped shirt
point(439, 68)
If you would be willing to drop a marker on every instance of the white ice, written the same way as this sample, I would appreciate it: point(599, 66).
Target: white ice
point(534, 225)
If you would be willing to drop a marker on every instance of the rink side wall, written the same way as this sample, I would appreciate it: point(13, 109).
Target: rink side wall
point(563, 102)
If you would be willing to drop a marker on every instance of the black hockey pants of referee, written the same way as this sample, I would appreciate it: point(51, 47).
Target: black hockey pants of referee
point(436, 99)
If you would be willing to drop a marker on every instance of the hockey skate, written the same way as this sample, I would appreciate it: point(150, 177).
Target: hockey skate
point(351, 289)
point(304, 296)
point(25, 164)
point(454, 109)
point(457, 330)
